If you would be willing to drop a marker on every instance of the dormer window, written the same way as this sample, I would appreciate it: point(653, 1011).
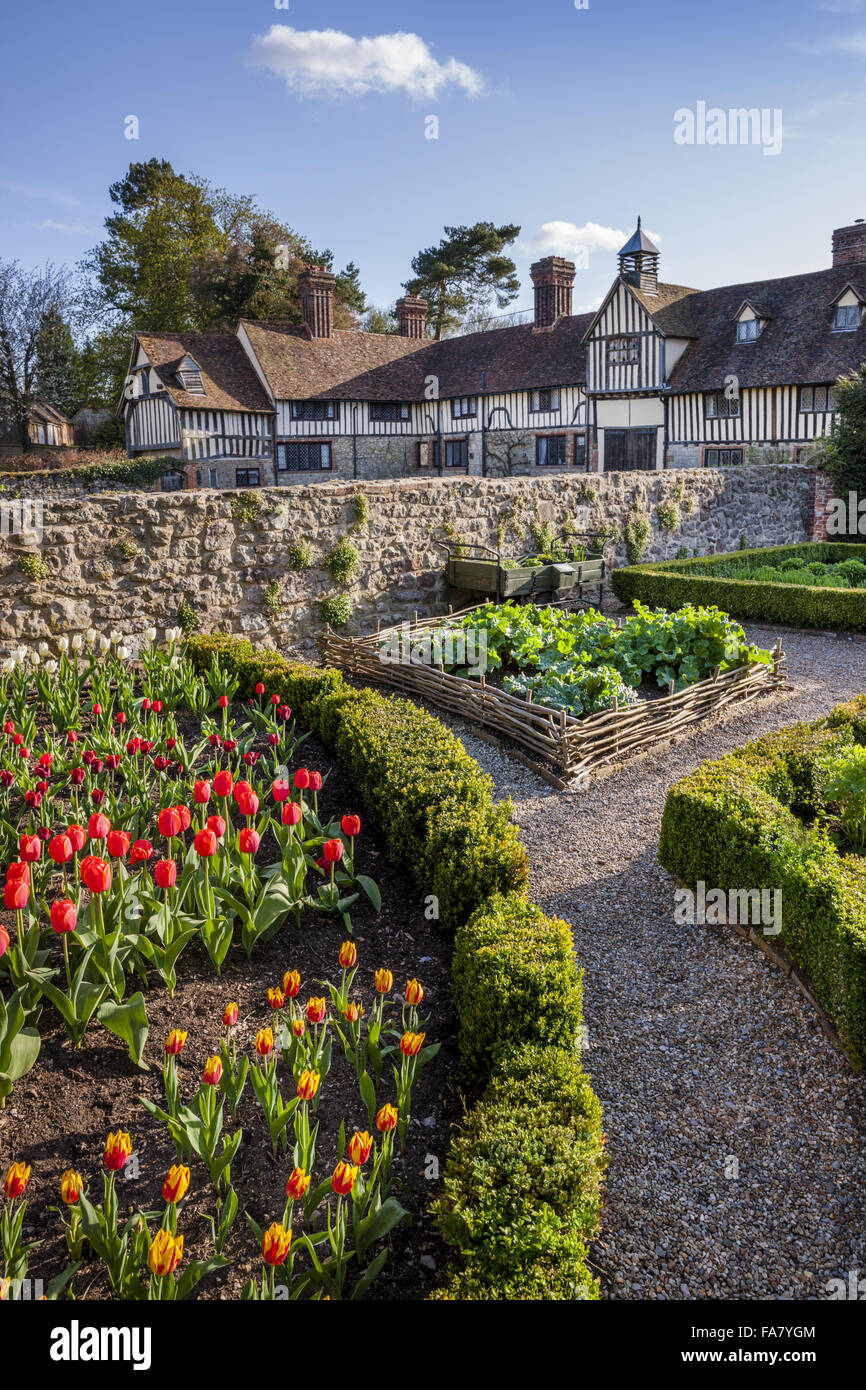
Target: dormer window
point(847, 318)
point(189, 376)
point(748, 330)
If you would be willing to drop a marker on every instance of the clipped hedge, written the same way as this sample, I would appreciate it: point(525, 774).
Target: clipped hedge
point(136, 473)
point(732, 824)
point(515, 981)
point(522, 1186)
point(673, 583)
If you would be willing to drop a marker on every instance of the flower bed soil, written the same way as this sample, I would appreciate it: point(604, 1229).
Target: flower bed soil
point(58, 1116)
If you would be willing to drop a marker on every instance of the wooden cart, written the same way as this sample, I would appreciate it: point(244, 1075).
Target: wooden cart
point(478, 569)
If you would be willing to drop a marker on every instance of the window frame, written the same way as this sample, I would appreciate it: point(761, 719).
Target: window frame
point(307, 445)
point(554, 400)
point(305, 410)
point(544, 439)
point(750, 324)
point(620, 344)
point(815, 409)
point(239, 471)
point(471, 411)
point(847, 309)
point(714, 398)
point(722, 449)
point(379, 417)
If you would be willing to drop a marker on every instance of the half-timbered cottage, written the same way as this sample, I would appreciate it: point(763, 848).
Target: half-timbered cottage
point(48, 428)
point(662, 375)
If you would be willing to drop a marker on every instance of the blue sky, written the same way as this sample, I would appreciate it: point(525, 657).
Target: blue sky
point(556, 118)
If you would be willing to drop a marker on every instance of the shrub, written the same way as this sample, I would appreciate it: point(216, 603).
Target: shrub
point(521, 1190)
point(732, 824)
point(515, 981)
point(188, 620)
point(336, 609)
point(274, 599)
point(362, 509)
point(674, 583)
point(300, 555)
point(342, 561)
point(668, 514)
point(846, 784)
point(245, 507)
point(637, 533)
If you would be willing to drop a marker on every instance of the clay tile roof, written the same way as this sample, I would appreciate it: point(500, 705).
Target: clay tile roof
point(44, 410)
point(796, 346)
point(228, 377)
point(381, 366)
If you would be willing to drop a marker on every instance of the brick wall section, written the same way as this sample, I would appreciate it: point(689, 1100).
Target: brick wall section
point(822, 491)
point(199, 546)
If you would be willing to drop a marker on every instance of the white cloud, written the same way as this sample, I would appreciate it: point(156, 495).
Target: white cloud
point(49, 225)
point(567, 239)
point(325, 62)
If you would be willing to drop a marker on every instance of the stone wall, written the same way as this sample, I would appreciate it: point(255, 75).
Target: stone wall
point(129, 560)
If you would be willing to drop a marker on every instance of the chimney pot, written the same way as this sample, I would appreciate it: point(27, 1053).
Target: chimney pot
point(553, 279)
point(412, 316)
point(849, 244)
point(316, 288)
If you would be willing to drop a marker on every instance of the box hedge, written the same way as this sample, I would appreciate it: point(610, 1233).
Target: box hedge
point(673, 583)
point(734, 824)
point(515, 981)
point(522, 1189)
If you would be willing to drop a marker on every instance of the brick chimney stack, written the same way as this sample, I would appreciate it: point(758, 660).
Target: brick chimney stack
point(316, 288)
point(553, 279)
point(849, 244)
point(412, 316)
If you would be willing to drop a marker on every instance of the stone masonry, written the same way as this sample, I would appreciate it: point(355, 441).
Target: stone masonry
point(131, 560)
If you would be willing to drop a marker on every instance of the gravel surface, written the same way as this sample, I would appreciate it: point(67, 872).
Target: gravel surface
point(737, 1168)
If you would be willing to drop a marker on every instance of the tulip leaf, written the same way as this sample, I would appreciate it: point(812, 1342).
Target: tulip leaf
point(129, 1022)
point(370, 1273)
point(371, 889)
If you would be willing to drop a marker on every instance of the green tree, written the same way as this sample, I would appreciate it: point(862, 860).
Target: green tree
point(30, 301)
point(58, 373)
point(844, 457)
point(465, 273)
point(377, 320)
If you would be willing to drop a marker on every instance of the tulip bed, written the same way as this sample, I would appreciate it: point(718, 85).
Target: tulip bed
point(153, 835)
point(522, 1185)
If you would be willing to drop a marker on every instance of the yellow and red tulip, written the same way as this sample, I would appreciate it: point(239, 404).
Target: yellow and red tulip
point(230, 1015)
point(264, 1042)
point(213, 1070)
point(308, 1084)
point(316, 1010)
point(360, 1145)
point(343, 1179)
point(411, 1044)
point(414, 993)
point(348, 954)
point(275, 1244)
point(71, 1186)
point(176, 1184)
point(166, 1253)
point(297, 1184)
point(17, 1178)
point(384, 981)
point(118, 1147)
point(175, 1041)
point(291, 983)
point(386, 1118)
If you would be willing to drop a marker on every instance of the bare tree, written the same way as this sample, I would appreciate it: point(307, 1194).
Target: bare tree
point(28, 301)
point(511, 455)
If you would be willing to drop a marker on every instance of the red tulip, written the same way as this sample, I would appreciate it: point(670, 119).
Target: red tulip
point(260, 689)
point(222, 783)
point(169, 822)
point(60, 849)
point(78, 837)
point(98, 826)
point(97, 710)
point(248, 841)
point(145, 704)
point(205, 843)
point(141, 851)
point(224, 701)
point(248, 802)
point(4, 941)
point(63, 916)
point(332, 851)
point(120, 717)
point(117, 843)
point(273, 740)
point(217, 825)
point(165, 873)
point(302, 778)
point(351, 826)
point(71, 736)
point(8, 727)
point(157, 706)
point(30, 848)
point(96, 874)
point(291, 813)
point(18, 872)
point(185, 817)
point(280, 789)
point(16, 894)
point(201, 792)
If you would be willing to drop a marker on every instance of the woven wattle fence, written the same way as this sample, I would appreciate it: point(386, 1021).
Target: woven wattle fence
point(558, 743)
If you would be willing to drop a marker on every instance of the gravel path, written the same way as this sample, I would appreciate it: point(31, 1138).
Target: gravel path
point(706, 1058)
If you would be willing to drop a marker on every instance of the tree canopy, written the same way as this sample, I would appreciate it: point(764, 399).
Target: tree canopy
point(465, 274)
point(33, 305)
